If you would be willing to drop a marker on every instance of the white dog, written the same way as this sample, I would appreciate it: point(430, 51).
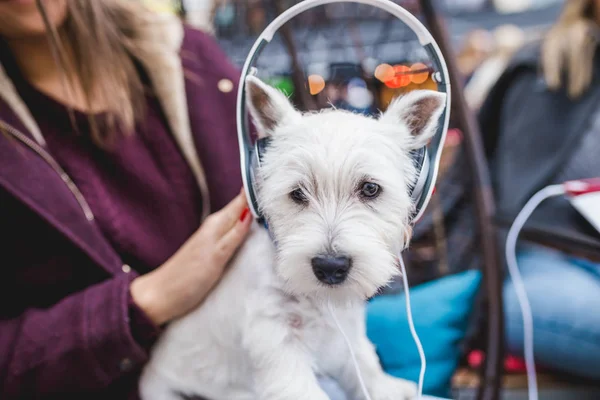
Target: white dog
point(334, 187)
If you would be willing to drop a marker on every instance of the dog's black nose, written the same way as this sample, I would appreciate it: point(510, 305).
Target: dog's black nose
point(331, 270)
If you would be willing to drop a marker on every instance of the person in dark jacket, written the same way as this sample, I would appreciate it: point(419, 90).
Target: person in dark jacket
point(541, 125)
point(117, 143)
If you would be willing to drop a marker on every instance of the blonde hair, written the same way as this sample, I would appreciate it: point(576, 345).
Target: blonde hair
point(91, 49)
point(568, 49)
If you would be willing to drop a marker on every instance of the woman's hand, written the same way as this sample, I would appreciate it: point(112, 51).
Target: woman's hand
point(183, 281)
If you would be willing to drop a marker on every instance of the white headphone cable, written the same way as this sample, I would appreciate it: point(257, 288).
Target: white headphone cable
point(412, 331)
point(515, 275)
point(352, 355)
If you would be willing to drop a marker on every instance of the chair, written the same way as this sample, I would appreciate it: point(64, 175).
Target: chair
point(484, 202)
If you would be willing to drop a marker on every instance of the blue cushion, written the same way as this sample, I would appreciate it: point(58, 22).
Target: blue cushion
point(441, 312)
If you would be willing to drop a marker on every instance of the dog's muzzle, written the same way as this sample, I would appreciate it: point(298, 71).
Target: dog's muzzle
point(331, 270)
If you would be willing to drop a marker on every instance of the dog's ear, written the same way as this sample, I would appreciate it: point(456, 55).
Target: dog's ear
point(268, 106)
point(419, 111)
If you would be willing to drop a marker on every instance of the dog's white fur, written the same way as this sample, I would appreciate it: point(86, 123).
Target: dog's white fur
point(264, 333)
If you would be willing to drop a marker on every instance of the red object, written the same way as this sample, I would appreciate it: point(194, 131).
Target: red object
point(512, 364)
point(401, 77)
point(476, 358)
point(582, 186)
point(244, 214)
point(453, 137)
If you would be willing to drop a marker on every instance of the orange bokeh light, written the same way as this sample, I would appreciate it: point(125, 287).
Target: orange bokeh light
point(384, 72)
point(401, 77)
point(316, 84)
point(420, 73)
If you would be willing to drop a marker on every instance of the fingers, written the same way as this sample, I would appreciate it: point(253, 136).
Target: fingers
point(230, 242)
point(228, 216)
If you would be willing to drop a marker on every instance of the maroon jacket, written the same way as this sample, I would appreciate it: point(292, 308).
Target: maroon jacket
point(64, 322)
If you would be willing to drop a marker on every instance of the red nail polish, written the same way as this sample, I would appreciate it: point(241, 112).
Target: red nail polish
point(244, 214)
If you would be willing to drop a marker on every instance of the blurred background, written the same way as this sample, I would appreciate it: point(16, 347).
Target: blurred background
point(356, 58)
point(340, 46)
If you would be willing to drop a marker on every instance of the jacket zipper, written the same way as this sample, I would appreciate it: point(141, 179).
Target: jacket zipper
point(87, 211)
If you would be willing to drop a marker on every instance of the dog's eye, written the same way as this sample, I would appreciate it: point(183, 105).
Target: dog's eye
point(370, 190)
point(298, 196)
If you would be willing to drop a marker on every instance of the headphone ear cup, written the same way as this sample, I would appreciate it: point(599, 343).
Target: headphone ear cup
point(260, 148)
point(258, 152)
point(252, 169)
point(421, 163)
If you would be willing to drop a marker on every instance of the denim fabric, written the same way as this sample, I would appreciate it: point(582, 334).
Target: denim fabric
point(564, 293)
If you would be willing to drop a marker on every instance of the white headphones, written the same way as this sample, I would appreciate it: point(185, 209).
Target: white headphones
point(427, 159)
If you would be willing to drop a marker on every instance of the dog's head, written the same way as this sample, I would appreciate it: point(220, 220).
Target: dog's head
point(334, 187)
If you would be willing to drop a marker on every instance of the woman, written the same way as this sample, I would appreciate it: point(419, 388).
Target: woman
point(562, 289)
point(117, 139)
point(541, 129)
point(507, 40)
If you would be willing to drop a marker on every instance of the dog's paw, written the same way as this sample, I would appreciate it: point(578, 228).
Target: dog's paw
point(389, 388)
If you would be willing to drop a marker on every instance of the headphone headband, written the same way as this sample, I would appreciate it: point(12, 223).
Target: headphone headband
point(393, 8)
point(248, 151)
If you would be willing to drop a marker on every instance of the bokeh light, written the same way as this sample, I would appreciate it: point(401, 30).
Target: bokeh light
point(359, 96)
point(420, 73)
point(401, 77)
point(316, 84)
point(384, 72)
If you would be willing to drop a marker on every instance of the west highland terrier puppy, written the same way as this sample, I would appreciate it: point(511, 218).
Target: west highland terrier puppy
point(334, 188)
